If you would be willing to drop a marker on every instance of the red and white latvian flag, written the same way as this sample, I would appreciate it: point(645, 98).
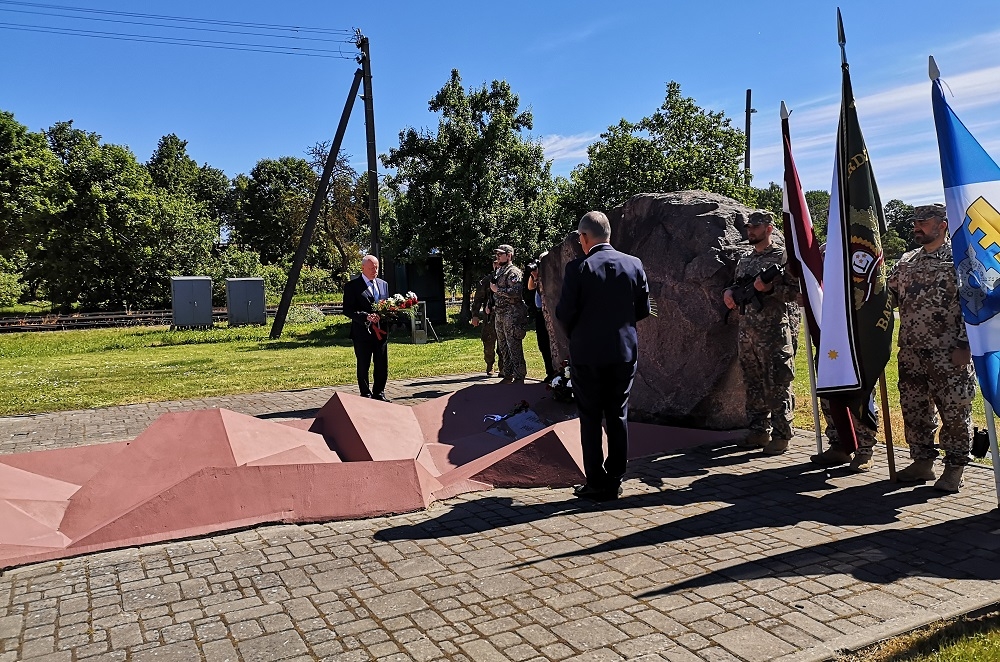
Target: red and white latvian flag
point(804, 258)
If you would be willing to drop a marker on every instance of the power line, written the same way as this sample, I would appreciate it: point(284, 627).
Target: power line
point(177, 41)
point(267, 38)
point(183, 19)
point(344, 40)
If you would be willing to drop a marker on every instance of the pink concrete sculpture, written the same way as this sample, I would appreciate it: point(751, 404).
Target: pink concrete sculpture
point(199, 472)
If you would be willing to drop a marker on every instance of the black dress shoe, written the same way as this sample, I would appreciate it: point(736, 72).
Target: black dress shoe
point(597, 494)
point(366, 395)
point(381, 396)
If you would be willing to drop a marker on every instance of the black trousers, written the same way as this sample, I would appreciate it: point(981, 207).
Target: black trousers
point(601, 393)
point(368, 350)
point(542, 335)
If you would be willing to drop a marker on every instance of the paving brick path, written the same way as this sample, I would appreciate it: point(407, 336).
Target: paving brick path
point(713, 554)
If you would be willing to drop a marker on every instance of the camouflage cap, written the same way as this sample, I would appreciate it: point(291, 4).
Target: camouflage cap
point(923, 212)
point(505, 248)
point(761, 217)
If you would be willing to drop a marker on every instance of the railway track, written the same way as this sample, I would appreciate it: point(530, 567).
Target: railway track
point(13, 324)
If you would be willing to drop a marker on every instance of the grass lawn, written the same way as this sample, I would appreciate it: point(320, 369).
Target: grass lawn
point(964, 639)
point(65, 370)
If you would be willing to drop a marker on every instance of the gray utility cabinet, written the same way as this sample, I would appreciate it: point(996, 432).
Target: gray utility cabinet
point(245, 301)
point(192, 301)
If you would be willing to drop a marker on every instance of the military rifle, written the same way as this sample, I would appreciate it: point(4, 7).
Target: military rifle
point(745, 294)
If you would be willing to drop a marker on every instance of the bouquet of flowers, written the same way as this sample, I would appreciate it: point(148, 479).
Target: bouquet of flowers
point(561, 385)
point(392, 310)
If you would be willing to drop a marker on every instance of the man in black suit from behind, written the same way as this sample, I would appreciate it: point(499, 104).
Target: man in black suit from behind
point(359, 296)
point(603, 295)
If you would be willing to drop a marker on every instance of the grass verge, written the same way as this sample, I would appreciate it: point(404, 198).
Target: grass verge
point(67, 370)
point(973, 638)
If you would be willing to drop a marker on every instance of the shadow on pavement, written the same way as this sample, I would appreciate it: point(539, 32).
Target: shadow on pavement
point(773, 502)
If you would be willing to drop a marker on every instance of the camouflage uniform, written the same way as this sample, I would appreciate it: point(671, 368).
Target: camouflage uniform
point(923, 285)
point(765, 348)
point(795, 325)
point(482, 307)
point(511, 315)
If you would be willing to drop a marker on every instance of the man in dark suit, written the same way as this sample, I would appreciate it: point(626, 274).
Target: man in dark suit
point(603, 295)
point(371, 340)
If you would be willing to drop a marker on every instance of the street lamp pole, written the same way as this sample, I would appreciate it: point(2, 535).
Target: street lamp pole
point(746, 154)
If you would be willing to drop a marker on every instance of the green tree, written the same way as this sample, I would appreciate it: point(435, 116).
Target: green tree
point(27, 174)
point(173, 171)
point(170, 166)
point(897, 219)
point(473, 184)
point(342, 225)
point(679, 147)
point(819, 211)
point(770, 198)
point(112, 239)
point(271, 207)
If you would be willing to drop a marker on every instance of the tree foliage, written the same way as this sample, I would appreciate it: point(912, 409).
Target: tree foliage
point(111, 241)
point(473, 184)
point(271, 207)
point(679, 147)
point(27, 173)
point(342, 225)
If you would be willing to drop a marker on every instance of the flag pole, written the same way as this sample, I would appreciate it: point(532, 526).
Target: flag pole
point(809, 346)
point(812, 388)
point(890, 456)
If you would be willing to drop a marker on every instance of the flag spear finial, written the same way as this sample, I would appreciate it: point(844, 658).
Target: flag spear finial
point(784, 111)
point(841, 39)
point(932, 68)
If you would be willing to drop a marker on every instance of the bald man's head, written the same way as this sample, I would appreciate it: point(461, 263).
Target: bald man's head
point(596, 226)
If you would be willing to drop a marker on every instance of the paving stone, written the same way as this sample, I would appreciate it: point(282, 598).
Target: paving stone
point(279, 646)
point(186, 651)
point(589, 633)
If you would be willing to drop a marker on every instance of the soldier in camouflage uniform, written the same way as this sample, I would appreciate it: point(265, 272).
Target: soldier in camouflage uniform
point(511, 315)
point(484, 317)
point(935, 369)
point(765, 341)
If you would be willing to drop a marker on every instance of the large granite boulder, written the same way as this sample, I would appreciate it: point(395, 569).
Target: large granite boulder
point(551, 268)
point(689, 242)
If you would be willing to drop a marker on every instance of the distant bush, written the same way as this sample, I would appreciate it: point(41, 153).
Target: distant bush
point(314, 280)
point(11, 288)
point(304, 315)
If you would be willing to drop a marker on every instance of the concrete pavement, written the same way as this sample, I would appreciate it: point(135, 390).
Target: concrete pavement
point(713, 553)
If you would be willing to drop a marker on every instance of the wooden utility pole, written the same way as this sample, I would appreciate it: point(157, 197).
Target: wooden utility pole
point(366, 67)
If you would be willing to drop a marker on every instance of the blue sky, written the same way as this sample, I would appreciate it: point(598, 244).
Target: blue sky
point(580, 66)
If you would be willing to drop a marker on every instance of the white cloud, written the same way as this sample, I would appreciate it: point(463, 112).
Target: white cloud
point(898, 126)
point(562, 148)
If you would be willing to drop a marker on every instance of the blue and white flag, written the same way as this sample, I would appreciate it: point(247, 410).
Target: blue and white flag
point(972, 195)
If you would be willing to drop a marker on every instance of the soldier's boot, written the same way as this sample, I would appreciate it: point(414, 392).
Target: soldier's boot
point(506, 380)
point(776, 447)
point(863, 461)
point(831, 457)
point(918, 472)
point(950, 480)
point(489, 370)
point(756, 439)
